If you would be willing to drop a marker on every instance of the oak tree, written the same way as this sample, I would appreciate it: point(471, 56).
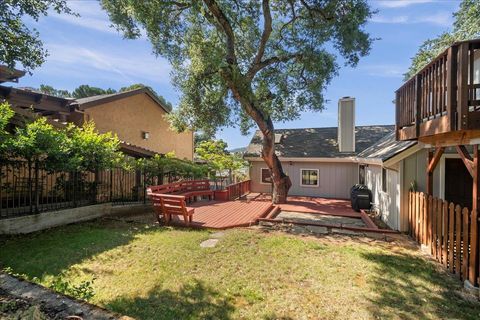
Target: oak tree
point(466, 26)
point(249, 62)
point(19, 43)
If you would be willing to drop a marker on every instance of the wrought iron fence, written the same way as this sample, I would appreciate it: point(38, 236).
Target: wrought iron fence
point(29, 189)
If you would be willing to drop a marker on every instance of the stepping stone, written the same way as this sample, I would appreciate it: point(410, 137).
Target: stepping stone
point(210, 243)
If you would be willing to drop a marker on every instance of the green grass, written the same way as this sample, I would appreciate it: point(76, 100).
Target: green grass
point(162, 273)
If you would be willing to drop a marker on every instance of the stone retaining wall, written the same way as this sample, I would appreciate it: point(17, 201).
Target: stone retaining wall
point(46, 220)
point(61, 306)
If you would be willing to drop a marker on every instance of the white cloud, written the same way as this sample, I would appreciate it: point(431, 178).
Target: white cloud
point(384, 70)
point(384, 19)
point(126, 67)
point(443, 19)
point(91, 16)
point(440, 18)
point(400, 3)
point(88, 22)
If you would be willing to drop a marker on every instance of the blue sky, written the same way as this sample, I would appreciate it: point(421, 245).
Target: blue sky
point(87, 51)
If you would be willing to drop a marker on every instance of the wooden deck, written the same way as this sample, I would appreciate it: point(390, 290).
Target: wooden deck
point(321, 207)
point(333, 207)
point(226, 214)
point(244, 213)
point(440, 105)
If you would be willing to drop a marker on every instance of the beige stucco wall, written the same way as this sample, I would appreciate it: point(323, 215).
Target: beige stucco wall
point(130, 116)
point(335, 178)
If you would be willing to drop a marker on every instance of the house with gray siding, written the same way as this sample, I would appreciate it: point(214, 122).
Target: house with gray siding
point(390, 169)
point(327, 162)
point(321, 162)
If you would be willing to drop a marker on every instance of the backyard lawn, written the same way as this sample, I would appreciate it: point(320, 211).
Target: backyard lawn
point(149, 272)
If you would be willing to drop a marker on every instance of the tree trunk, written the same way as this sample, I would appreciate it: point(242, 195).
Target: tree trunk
point(281, 182)
point(243, 93)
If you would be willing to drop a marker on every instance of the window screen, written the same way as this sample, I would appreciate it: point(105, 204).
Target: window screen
point(266, 176)
point(309, 177)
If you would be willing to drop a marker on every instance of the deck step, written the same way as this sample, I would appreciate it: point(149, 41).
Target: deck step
point(270, 213)
point(273, 212)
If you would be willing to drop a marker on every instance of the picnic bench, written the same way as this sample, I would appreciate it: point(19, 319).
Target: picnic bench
point(188, 189)
point(168, 205)
point(171, 199)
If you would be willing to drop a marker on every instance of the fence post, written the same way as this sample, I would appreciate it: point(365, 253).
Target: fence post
point(451, 227)
point(458, 239)
point(30, 186)
point(465, 228)
point(144, 187)
point(36, 170)
point(409, 213)
point(473, 269)
point(111, 184)
point(95, 188)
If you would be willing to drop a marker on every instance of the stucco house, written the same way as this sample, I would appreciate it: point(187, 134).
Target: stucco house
point(136, 116)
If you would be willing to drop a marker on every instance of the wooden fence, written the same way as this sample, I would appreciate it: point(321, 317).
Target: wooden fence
point(238, 189)
point(450, 232)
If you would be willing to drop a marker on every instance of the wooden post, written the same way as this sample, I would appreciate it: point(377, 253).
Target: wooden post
point(429, 173)
point(418, 101)
point(474, 256)
point(462, 104)
point(432, 161)
point(476, 177)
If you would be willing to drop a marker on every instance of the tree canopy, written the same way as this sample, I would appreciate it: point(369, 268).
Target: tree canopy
point(20, 44)
point(466, 26)
point(69, 149)
point(249, 62)
point(6, 114)
point(165, 103)
point(214, 153)
point(85, 90)
point(289, 62)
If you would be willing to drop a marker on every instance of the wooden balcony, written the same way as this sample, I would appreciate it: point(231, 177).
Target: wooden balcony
point(442, 101)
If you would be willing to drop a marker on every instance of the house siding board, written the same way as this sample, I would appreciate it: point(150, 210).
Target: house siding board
point(255, 178)
point(129, 116)
point(387, 203)
point(335, 179)
point(415, 169)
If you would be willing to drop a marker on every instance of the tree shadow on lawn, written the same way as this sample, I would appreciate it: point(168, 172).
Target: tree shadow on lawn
point(410, 287)
point(50, 252)
point(194, 300)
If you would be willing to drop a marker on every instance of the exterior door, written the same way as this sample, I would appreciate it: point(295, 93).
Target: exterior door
point(458, 183)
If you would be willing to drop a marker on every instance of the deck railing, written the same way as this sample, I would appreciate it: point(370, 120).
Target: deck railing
point(237, 190)
point(450, 232)
point(444, 96)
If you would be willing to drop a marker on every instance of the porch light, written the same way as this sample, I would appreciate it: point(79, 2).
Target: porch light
point(146, 135)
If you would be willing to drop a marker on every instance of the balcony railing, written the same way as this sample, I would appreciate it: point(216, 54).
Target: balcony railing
point(443, 97)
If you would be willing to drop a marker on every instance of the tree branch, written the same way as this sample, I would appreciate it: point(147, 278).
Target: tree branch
point(267, 30)
point(227, 28)
point(267, 62)
point(316, 10)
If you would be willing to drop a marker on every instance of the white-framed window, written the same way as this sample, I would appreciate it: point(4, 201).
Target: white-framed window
point(265, 176)
point(309, 177)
